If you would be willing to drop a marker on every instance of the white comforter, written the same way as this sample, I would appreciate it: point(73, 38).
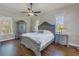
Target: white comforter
point(40, 37)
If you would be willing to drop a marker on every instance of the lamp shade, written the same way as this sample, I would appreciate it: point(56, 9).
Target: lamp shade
point(61, 27)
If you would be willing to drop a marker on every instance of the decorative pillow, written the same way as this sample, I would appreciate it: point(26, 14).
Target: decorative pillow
point(47, 31)
point(40, 31)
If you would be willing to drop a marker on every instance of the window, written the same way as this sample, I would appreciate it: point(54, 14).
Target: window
point(5, 25)
point(59, 23)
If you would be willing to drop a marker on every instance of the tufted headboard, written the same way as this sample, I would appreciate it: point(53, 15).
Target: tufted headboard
point(47, 26)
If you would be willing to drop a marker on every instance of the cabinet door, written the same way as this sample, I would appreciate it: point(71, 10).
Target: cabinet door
point(57, 38)
point(61, 39)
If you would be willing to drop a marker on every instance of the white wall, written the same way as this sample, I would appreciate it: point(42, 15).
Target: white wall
point(71, 16)
point(15, 18)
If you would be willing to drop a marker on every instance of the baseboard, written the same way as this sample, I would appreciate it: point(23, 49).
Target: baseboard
point(71, 44)
point(75, 45)
point(6, 39)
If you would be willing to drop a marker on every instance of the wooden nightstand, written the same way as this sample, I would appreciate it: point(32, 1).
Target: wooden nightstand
point(62, 37)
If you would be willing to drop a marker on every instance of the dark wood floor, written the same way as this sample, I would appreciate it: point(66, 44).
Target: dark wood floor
point(13, 48)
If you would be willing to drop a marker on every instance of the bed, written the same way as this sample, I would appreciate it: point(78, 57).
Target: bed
point(37, 41)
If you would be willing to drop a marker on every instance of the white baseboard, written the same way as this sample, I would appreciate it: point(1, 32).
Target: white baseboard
point(6, 39)
point(76, 45)
point(72, 44)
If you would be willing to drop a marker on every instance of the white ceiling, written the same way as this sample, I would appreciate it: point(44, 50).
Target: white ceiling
point(16, 8)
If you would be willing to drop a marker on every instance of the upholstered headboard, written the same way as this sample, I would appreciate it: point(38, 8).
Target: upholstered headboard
point(47, 26)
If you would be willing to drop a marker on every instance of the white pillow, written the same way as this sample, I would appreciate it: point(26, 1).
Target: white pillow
point(40, 31)
point(47, 32)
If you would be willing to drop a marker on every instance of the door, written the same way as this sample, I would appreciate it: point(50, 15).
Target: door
point(21, 27)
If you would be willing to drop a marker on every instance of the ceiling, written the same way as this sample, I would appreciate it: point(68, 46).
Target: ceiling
point(16, 8)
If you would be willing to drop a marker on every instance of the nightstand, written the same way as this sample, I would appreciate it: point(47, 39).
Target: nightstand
point(62, 37)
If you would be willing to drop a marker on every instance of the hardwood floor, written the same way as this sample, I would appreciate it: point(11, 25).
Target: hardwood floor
point(13, 48)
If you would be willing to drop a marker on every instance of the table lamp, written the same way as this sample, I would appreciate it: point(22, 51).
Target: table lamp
point(61, 28)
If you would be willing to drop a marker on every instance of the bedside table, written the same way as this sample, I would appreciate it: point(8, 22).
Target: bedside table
point(63, 37)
